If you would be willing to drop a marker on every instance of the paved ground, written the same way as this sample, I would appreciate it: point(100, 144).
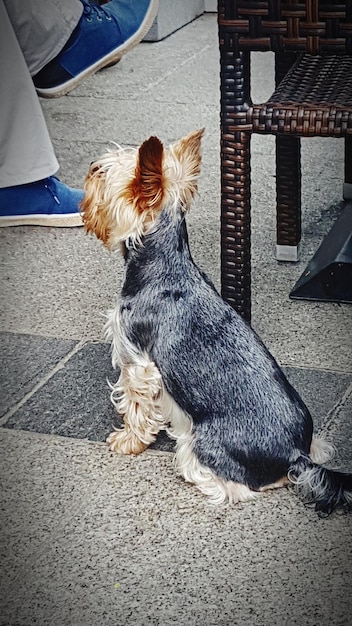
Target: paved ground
point(92, 538)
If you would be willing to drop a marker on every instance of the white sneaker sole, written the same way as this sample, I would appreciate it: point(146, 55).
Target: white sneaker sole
point(113, 57)
point(59, 221)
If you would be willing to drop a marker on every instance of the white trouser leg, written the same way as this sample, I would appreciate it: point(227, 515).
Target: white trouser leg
point(26, 151)
point(42, 27)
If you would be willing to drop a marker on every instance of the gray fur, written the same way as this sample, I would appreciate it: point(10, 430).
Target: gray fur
point(248, 421)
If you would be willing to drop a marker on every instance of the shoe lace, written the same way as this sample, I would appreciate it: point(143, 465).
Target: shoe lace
point(94, 10)
point(49, 185)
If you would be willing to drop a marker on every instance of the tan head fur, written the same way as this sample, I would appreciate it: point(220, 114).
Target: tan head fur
point(126, 189)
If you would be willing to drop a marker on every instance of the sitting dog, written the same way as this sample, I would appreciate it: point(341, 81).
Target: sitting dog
point(189, 363)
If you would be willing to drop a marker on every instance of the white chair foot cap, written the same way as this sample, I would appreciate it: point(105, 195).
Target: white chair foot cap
point(287, 253)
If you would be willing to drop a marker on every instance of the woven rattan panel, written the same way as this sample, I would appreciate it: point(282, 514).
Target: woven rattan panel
point(314, 99)
point(313, 26)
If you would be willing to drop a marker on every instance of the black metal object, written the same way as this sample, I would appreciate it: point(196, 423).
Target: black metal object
point(328, 276)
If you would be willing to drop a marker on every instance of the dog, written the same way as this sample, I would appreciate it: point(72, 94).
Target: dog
point(189, 364)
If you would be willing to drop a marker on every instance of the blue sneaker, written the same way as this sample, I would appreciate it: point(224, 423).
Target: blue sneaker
point(48, 202)
point(103, 34)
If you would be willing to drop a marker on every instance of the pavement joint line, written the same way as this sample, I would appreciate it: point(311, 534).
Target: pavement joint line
point(150, 452)
point(330, 420)
point(50, 436)
point(59, 366)
point(314, 367)
point(171, 72)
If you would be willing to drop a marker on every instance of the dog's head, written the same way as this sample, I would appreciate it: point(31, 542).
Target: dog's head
point(126, 189)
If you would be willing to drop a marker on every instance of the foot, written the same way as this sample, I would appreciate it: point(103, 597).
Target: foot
point(125, 441)
point(103, 34)
point(48, 202)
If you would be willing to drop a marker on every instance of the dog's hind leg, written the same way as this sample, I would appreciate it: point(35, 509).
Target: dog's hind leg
point(217, 489)
point(136, 397)
point(179, 426)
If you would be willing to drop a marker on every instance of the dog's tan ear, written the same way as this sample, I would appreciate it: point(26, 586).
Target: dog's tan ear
point(188, 153)
point(95, 216)
point(189, 148)
point(147, 186)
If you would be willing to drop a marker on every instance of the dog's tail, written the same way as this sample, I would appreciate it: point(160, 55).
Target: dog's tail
point(328, 489)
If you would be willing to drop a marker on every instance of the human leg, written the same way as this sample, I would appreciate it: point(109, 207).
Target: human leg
point(27, 159)
point(103, 34)
point(29, 193)
point(43, 27)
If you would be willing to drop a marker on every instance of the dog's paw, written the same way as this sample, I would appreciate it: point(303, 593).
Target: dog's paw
point(125, 442)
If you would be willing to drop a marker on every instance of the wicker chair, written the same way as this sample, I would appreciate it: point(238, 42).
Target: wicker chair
point(312, 42)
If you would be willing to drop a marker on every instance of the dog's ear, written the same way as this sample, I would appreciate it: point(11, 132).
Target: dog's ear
point(188, 153)
point(95, 215)
point(147, 187)
point(189, 148)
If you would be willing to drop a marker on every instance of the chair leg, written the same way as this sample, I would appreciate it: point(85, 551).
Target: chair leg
point(288, 197)
point(235, 178)
point(347, 187)
point(236, 223)
point(288, 179)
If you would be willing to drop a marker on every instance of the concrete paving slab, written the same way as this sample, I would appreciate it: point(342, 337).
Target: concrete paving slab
point(93, 538)
point(50, 280)
point(75, 401)
point(160, 118)
point(322, 391)
point(25, 360)
point(338, 429)
point(82, 406)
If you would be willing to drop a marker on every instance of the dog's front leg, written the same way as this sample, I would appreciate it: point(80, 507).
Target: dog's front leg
point(136, 397)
